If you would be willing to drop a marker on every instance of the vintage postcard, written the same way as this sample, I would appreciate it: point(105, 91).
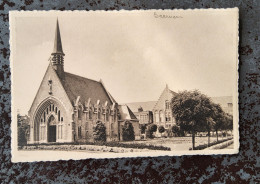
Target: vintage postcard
point(109, 84)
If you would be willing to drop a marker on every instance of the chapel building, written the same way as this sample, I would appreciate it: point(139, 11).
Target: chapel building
point(67, 106)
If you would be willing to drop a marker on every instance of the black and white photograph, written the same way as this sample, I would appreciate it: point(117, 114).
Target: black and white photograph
point(108, 84)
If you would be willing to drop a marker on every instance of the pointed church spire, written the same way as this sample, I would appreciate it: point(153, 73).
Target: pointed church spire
point(57, 56)
point(57, 42)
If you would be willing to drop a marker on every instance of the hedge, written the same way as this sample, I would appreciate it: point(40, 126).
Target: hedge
point(204, 146)
point(110, 144)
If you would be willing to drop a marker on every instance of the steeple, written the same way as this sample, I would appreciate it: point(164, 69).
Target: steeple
point(57, 42)
point(57, 54)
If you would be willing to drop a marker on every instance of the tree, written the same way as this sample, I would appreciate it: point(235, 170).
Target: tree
point(22, 136)
point(228, 122)
point(128, 133)
point(218, 118)
point(229, 125)
point(191, 110)
point(22, 129)
point(161, 129)
point(209, 124)
point(99, 132)
point(150, 130)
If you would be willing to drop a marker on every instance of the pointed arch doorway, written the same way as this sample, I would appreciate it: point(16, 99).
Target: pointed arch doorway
point(52, 129)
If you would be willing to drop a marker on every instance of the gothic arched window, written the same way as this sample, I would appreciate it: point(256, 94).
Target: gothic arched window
point(79, 131)
point(58, 115)
point(156, 116)
point(161, 116)
point(44, 117)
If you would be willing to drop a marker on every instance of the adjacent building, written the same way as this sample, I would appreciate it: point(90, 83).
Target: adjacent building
point(159, 112)
point(225, 102)
point(143, 111)
point(162, 112)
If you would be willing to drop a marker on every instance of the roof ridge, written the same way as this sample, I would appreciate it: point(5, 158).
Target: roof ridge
point(81, 77)
point(140, 102)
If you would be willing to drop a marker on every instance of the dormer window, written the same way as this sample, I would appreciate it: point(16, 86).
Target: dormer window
point(90, 114)
point(99, 113)
point(95, 110)
point(79, 113)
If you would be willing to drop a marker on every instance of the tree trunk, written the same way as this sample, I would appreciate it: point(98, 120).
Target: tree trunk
point(208, 137)
point(217, 135)
point(193, 140)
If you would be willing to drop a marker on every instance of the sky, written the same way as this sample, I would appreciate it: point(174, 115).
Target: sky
point(134, 53)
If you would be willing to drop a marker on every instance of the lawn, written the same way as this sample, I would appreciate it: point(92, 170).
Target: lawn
point(177, 143)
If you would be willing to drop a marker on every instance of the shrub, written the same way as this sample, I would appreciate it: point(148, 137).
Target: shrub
point(153, 127)
point(128, 133)
point(150, 130)
point(143, 128)
point(177, 131)
point(161, 129)
point(99, 132)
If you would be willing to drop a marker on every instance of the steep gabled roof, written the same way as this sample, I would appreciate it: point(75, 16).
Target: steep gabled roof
point(172, 92)
point(222, 100)
point(167, 94)
point(75, 86)
point(126, 113)
point(146, 106)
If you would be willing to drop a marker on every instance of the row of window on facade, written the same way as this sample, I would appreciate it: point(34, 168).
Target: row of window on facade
point(167, 104)
point(143, 118)
point(159, 116)
point(97, 113)
point(51, 109)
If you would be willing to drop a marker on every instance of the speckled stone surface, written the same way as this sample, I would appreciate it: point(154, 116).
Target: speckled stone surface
point(240, 168)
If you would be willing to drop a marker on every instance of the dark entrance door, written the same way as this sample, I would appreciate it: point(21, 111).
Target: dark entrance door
point(52, 133)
